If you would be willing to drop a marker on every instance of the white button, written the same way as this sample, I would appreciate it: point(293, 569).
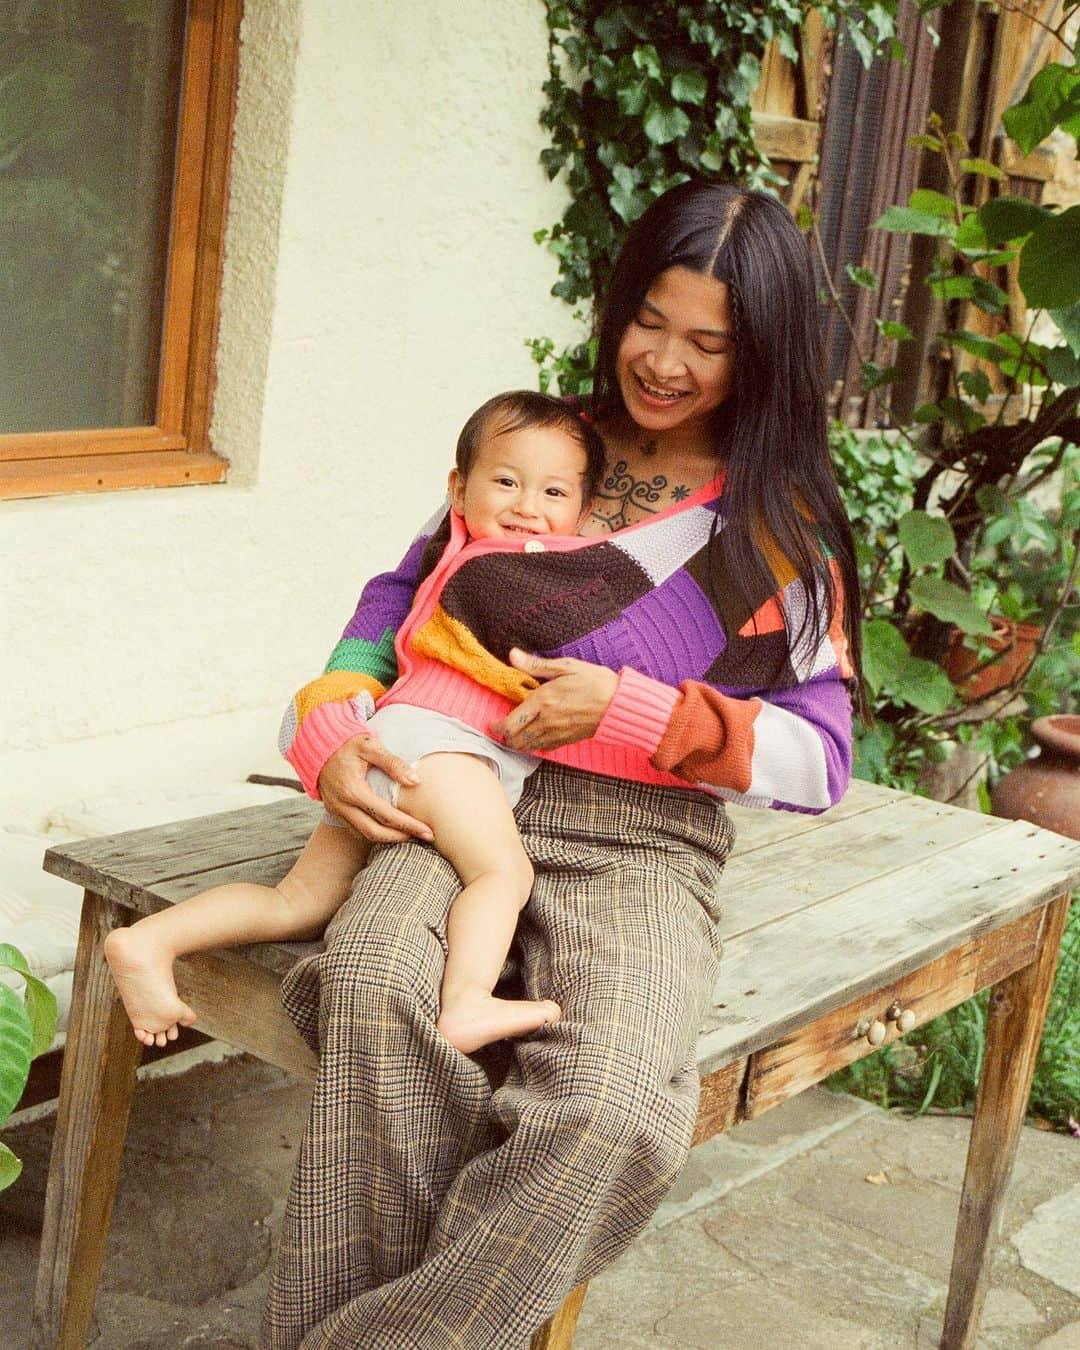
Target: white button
point(533, 546)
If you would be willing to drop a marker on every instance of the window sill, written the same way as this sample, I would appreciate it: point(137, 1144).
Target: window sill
point(110, 473)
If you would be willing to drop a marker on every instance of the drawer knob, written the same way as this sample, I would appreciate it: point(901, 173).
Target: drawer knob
point(905, 1021)
point(876, 1034)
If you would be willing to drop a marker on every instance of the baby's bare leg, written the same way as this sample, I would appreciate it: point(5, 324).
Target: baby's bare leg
point(461, 799)
point(299, 906)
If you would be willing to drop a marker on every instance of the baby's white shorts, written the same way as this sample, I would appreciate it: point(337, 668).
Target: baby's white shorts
point(413, 733)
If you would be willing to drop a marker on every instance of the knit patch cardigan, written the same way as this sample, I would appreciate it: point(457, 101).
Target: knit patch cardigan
point(712, 694)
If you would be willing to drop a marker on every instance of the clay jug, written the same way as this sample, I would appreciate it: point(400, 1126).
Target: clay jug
point(1046, 790)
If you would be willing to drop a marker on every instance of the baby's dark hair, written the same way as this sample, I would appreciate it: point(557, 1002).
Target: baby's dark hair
point(519, 409)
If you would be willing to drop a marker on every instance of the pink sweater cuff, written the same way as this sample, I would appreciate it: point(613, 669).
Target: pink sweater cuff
point(323, 731)
point(639, 713)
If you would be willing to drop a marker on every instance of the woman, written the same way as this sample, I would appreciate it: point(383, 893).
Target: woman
point(427, 1209)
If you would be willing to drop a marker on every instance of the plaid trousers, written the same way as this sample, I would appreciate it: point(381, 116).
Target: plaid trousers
point(429, 1210)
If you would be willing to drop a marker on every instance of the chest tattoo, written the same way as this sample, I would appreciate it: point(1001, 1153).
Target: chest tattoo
point(622, 490)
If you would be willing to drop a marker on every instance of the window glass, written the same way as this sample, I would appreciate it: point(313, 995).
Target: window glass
point(89, 93)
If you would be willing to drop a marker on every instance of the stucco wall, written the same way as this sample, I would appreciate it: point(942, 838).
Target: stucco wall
point(380, 280)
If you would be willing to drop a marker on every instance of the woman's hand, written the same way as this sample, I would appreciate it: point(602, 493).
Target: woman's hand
point(567, 707)
point(345, 792)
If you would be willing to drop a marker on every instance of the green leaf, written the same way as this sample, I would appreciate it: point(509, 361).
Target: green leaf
point(904, 220)
point(41, 1005)
point(10, 1167)
point(974, 344)
point(961, 415)
point(885, 653)
point(16, 1042)
point(1063, 367)
point(13, 958)
point(664, 124)
point(926, 539)
point(1004, 219)
point(975, 383)
point(610, 29)
point(1050, 262)
point(647, 59)
point(926, 142)
point(889, 666)
point(38, 998)
point(1036, 115)
point(945, 601)
point(628, 198)
point(936, 203)
point(983, 167)
point(861, 276)
point(873, 375)
point(952, 287)
point(970, 233)
point(896, 332)
point(928, 413)
point(1067, 322)
point(989, 296)
point(689, 86)
point(871, 758)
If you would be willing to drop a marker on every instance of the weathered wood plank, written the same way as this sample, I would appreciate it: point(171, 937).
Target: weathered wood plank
point(1014, 1026)
point(142, 857)
point(794, 874)
point(759, 829)
point(557, 1333)
point(721, 1096)
point(100, 1059)
point(810, 1054)
point(877, 932)
point(788, 138)
point(240, 1003)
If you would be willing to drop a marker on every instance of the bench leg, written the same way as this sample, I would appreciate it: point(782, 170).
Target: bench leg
point(100, 1059)
point(557, 1333)
point(1014, 1025)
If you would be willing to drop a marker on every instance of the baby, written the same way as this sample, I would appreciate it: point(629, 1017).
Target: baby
point(526, 466)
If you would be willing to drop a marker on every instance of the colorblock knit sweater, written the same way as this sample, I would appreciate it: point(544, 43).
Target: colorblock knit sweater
point(711, 693)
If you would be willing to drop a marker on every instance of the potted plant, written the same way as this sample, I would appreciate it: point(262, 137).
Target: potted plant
point(968, 583)
point(27, 1028)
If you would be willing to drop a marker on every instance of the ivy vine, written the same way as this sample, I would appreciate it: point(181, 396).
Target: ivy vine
point(640, 97)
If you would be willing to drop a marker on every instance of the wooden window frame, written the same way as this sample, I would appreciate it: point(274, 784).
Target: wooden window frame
point(175, 451)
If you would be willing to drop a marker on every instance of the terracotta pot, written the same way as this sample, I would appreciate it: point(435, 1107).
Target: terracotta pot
point(1046, 790)
point(1015, 641)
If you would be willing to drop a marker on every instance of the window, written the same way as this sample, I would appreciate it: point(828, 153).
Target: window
point(115, 122)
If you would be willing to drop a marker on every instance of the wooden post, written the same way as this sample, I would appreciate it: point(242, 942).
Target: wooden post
point(557, 1333)
point(100, 1059)
point(1014, 1026)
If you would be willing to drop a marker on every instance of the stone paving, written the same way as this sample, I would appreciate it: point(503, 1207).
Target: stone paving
point(826, 1225)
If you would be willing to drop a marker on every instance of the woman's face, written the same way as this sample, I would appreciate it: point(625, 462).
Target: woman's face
point(676, 360)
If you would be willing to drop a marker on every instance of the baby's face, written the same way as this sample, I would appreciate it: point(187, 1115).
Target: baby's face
point(524, 482)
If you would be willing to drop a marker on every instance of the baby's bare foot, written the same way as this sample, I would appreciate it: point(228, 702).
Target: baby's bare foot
point(143, 975)
point(471, 1020)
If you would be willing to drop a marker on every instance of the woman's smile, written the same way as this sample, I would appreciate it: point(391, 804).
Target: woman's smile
point(651, 393)
point(676, 359)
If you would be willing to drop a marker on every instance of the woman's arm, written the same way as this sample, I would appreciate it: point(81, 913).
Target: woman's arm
point(788, 747)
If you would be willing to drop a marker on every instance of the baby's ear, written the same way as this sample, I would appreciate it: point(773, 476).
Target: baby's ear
point(455, 486)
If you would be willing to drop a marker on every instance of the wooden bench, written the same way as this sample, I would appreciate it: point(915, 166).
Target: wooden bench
point(840, 929)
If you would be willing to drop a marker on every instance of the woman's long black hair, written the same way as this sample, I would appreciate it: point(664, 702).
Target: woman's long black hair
point(771, 429)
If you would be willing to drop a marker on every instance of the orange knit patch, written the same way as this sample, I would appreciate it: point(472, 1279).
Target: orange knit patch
point(837, 636)
point(710, 738)
point(768, 618)
point(336, 687)
point(445, 639)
